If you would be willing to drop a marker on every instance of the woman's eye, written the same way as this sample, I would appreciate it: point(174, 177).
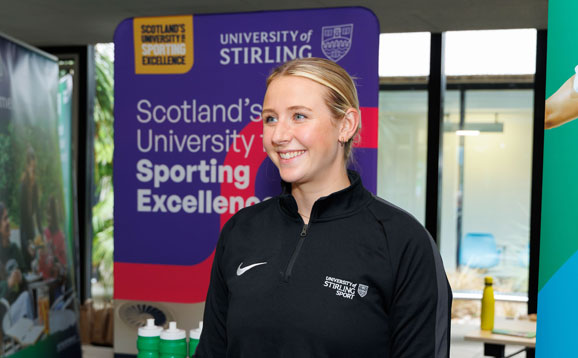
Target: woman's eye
point(270, 119)
point(299, 116)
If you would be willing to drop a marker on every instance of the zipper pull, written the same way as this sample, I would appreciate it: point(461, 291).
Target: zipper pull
point(304, 230)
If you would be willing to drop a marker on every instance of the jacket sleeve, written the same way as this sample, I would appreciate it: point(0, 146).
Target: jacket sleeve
point(213, 341)
point(421, 303)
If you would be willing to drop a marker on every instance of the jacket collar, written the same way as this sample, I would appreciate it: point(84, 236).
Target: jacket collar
point(341, 203)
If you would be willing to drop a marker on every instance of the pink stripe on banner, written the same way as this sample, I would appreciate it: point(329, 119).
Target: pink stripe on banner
point(150, 282)
point(369, 128)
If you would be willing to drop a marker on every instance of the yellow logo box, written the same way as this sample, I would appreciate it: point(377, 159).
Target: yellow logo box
point(163, 45)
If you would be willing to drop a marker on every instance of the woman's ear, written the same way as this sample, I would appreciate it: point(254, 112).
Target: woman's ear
point(349, 124)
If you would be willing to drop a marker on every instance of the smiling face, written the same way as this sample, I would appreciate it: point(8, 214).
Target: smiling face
point(299, 133)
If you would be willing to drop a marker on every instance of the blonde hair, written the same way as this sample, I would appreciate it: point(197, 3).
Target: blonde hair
point(341, 93)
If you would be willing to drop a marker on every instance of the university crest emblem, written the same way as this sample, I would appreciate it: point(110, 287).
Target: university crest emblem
point(336, 41)
point(362, 290)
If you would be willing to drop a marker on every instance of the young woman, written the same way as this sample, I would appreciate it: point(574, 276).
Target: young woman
point(326, 269)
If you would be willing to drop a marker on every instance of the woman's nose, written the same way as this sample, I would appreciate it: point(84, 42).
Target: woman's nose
point(282, 132)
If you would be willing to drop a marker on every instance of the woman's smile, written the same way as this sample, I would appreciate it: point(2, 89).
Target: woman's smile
point(286, 155)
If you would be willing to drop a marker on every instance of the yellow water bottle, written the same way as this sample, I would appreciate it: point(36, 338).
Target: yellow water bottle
point(488, 305)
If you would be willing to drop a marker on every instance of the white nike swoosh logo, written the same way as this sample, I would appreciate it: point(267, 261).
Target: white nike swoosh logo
point(241, 271)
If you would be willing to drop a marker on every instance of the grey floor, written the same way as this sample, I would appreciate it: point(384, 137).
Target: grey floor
point(459, 347)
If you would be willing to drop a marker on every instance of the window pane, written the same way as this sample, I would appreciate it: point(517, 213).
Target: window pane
point(404, 54)
point(511, 52)
point(486, 189)
point(402, 149)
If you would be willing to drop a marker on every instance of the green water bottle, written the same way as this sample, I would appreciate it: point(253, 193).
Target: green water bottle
point(148, 341)
point(488, 304)
point(194, 336)
point(173, 342)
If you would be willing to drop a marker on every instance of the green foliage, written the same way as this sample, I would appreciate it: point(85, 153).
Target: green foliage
point(6, 165)
point(40, 134)
point(102, 226)
point(103, 118)
point(102, 213)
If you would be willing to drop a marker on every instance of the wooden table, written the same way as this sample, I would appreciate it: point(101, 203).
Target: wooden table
point(495, 344)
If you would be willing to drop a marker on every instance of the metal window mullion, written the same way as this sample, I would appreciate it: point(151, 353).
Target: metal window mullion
point(436, 91)
point(537, 167)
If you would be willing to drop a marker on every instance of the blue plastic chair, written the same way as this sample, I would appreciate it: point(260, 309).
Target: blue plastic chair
point(479, 250)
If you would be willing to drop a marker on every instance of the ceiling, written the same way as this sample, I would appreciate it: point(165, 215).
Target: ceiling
point(79, 22)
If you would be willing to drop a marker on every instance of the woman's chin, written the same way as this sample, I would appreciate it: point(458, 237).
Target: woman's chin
point(289, 176)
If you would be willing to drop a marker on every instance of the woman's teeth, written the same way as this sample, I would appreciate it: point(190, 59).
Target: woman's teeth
point(290, 155)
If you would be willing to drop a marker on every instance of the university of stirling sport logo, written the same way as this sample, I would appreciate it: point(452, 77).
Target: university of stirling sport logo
point(336, 41)
point(344, 288)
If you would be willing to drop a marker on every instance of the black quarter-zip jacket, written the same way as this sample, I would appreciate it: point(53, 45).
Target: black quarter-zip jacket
point(362, 279)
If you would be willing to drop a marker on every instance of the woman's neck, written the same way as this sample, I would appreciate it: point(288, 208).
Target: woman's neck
point(308, 193)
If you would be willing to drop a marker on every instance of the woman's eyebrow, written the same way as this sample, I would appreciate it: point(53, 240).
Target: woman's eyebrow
point(300, 107)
